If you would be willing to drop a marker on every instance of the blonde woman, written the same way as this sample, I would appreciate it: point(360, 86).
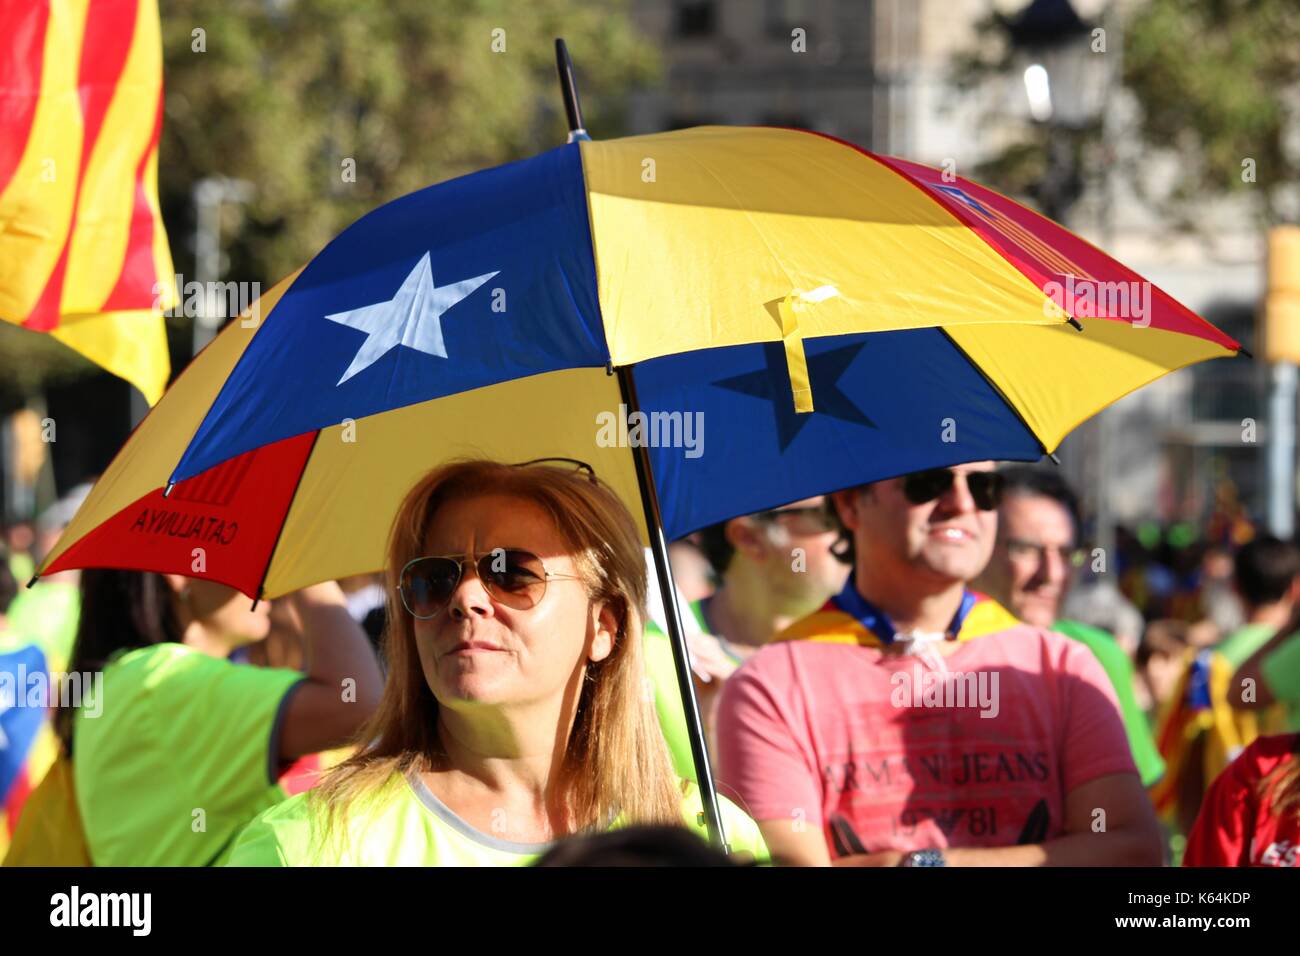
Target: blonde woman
point(514, 712)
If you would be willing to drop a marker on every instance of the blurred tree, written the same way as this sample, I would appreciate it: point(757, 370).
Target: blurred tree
point(330, 108)
point(33, 361)
point(1219, 82)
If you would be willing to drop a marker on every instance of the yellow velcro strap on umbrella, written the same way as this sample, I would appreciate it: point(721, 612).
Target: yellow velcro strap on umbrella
point(796, 361)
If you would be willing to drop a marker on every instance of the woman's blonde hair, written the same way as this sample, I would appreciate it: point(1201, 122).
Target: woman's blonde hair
point(616, 760)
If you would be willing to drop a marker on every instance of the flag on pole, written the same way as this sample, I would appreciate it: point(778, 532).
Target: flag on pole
point(83, 251)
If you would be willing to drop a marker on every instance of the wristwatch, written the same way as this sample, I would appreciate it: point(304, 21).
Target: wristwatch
point(924, 858)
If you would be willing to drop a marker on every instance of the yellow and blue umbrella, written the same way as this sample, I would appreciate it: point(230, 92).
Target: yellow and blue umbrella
point(797, 315)
point(719, 320)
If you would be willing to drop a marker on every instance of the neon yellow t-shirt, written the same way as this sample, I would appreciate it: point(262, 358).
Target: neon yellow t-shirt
point(172, 755)
point(406, 825)
point(48, 613)
point(662, 672)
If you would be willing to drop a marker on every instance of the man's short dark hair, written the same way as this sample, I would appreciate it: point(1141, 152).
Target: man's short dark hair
point(717, 550)
point(843, 549)
point(1264, 569)
point(1028, 481)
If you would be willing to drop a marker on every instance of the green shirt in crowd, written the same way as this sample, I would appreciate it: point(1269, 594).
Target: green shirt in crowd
point(668, 695)
point(1150, 765)
point(1281, 671)
point(1244, 641)
point(173, 755)
point(48, 613)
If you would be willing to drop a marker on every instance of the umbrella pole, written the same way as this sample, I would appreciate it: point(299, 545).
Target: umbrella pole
point(676, 634)
point(654, 526)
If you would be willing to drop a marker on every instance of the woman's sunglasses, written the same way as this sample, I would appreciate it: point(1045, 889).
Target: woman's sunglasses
point(809, 519)
point(513, 577)
point(922, 486)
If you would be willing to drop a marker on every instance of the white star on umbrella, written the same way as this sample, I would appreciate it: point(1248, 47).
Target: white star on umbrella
point(412, 317)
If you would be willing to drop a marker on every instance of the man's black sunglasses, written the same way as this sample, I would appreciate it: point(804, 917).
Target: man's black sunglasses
point(922, 486)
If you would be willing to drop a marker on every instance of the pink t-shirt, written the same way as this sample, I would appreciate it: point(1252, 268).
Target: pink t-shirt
point(977, 751)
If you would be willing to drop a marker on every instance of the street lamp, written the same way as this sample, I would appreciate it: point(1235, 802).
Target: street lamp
point(209, 194)
point(1070, 77)
point(1065, 79)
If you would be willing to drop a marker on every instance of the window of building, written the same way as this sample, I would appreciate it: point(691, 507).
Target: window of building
point(782, 16)
point(696, 18)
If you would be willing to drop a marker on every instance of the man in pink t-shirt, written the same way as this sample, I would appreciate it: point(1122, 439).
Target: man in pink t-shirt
point(913, 722)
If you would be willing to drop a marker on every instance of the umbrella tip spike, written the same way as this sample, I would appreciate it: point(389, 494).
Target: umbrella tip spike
point(1078, 326)
point(1242, 350)
point(569, 92)
point(1055, 460)
point(35, 578)
point(168, 490)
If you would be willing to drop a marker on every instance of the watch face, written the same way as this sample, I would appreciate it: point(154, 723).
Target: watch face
point(925, 858)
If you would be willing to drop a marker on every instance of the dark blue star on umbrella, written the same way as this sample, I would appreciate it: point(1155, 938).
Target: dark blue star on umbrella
point(772, 382)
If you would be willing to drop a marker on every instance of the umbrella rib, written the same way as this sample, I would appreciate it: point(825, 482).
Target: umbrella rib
point(998, 391)
point(280, 531)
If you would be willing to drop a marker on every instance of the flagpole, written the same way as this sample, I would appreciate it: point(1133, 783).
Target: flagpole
point(654, 526)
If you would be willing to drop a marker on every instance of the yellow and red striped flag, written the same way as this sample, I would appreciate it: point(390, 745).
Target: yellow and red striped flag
point(83, 251)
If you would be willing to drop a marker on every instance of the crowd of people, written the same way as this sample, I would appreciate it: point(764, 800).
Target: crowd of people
point(930, 670)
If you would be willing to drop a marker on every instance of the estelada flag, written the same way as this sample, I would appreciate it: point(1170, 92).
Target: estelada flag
point(1198, 717)
point(83, 252)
